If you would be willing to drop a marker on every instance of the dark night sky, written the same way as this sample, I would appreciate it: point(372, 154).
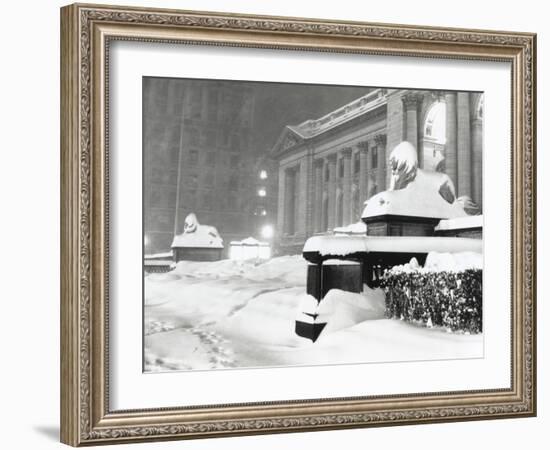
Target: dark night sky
point(281, 104)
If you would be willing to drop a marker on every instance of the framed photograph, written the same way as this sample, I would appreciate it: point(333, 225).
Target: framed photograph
point(274, 224)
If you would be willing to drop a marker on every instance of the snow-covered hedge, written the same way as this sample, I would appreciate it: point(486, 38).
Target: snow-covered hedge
point(448, 299)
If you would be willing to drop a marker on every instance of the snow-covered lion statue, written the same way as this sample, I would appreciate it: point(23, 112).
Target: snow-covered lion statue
point(404, 169)
point(197, 235)
point(416, 192)
point(191, 223)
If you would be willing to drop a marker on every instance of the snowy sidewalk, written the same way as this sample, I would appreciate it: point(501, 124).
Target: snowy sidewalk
point(223, 314)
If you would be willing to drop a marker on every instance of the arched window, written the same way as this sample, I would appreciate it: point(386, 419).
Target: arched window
point(434, 136)
point(479, 109)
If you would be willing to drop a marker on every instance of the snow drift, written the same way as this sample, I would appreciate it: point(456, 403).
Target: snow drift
point(227, 314)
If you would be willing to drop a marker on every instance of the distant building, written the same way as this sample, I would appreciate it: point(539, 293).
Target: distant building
point(210, 123)
point(223, 130)
point(329, 166)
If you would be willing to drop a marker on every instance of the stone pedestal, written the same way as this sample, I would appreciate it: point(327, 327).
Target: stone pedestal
point(394, 225)
point(197, 254)
point(321, 278)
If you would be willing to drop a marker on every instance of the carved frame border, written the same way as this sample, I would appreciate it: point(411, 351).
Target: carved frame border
point(86, 31)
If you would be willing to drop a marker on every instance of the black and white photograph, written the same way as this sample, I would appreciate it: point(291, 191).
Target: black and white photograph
point(299, 224)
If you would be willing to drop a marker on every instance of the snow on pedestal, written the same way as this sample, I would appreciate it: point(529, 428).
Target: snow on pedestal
point(460, 223)
point(348, 245)
point(469, 226)
point(358, 228)
point(197, 242)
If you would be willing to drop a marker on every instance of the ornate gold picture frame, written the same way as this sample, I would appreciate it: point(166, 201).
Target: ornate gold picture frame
point(87, 32)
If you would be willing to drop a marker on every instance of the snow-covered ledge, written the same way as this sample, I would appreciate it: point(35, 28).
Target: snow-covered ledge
point(460, 223)
point(342, 246)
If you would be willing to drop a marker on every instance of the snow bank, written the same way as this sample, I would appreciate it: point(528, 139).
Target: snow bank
point(224, 314)
point(308, 304)
point(438, 262)
point(455, 262)
point(345, 245)
point(340, 309)
point(268, 319)
point(162, 255)
point(289, 270)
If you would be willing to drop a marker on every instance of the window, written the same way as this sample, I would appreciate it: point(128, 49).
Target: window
point(356, 163)
point(196, 103)
point(212, 105)
point(232, 202)
point(194, 137)
point(211, 158)
point(235, 141)
point(154, 196)
point(341, 168)
point(193, 181)
point(208, 179)
point(211, 138)
point(233, 183)
point(207, 200)
point(171, 198)
point(234, 160)
point(156, 175)
point(374, 157)
point(173, 154)
point(193, 157)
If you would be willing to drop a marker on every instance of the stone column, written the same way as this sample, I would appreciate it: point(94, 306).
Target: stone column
point(331, 206)
point(464, 142)
point(304, 211)
point(370, 178)
point(477, 166)
point(281, 202)
point(346, 187)
point(410, 104)
point(289, 204)
point(450, 146)
point(380, 141)
point(363, 171)
point(318, 195)
point(297, 207)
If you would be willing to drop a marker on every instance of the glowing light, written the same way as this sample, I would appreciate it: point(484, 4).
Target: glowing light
point(146, 240)
point(263, 175)
point(262, 192)
point(267, 231)
point(264, 212)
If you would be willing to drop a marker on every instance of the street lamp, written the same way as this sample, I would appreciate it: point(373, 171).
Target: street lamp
point(267, 231)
